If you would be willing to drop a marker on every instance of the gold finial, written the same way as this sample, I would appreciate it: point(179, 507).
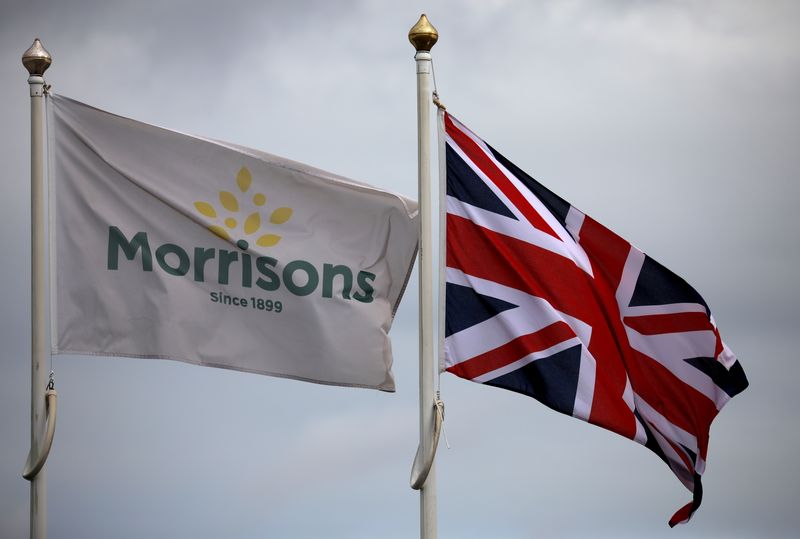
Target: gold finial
point(36, 59)
point(423, 35)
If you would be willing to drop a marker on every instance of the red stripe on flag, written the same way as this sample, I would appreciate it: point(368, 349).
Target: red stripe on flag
point(718, 348)
point(656, 324)
point(681, 404)
point(513, 350)
point(486, 254)
point(688, 465)
point(478, 156)
point(610, 346)
point(481, 252)
point(683, 515)
point(607, 251)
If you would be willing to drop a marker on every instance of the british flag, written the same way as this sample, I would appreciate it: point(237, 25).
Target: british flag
point(543, 300)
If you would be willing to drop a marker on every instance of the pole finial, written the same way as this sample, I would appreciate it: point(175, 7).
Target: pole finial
point(36, 59)
point(423, 35)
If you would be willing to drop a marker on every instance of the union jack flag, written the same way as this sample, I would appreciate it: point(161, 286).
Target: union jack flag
point(543, 300)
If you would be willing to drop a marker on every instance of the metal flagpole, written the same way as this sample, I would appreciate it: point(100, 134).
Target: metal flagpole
point(36, 60)
point(423, 36)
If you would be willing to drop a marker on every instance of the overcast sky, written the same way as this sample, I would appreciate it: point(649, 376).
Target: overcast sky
point(675, 123)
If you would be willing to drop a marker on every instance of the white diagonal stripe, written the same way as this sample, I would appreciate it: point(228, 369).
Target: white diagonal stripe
point(568, 246)
point(530, 358)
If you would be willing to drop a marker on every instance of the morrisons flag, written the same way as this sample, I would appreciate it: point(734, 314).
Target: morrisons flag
point(177, 247)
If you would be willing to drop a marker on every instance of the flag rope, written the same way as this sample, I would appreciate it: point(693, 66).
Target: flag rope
point(436, 100)
point(442, 232)
point(49, 215)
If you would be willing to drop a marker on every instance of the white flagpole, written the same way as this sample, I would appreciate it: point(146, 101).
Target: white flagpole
point(36, 60)
point(423, 36)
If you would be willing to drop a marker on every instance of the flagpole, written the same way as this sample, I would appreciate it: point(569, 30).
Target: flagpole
point(36, 60)
point(423, 36)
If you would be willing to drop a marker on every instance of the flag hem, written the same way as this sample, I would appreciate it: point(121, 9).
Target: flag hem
point(60, 352)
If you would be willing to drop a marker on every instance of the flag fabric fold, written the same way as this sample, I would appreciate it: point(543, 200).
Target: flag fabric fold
point(545, 301)
point(177, 247)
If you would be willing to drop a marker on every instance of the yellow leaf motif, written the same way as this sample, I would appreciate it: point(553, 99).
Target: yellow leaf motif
point(229, 201)
point(227, 218)
point(252, 223)
point(280, 216)
point(268, 240)
point(221, 232)
point(243, 179)
point(206, 209)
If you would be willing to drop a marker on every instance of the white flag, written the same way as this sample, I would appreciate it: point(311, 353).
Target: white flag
point(177, 247)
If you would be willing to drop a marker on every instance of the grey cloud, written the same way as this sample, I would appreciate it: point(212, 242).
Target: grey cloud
point(676, 123)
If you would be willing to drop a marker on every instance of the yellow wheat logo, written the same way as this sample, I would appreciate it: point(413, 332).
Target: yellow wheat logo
point(251, 225)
